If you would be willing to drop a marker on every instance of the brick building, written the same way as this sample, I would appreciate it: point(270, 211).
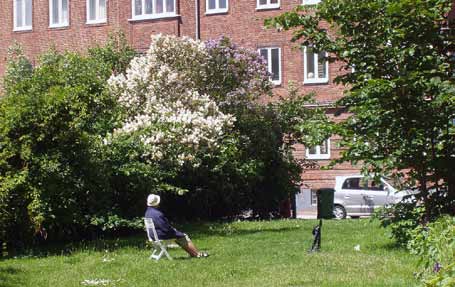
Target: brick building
point(76, 24)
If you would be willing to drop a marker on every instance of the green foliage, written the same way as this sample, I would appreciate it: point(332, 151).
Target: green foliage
point(435, 244)
point(52, 170)
point(444, 278)
point(62, 175)
point(116, 52)
point(402, 218)
point(401, 94)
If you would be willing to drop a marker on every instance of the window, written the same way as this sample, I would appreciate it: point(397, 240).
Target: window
point(314, 197)
point(268, 4)
point(320, 151)
point(273, 59)
point(151, 9)
point(316, 67)
point(216, 6)
point(371, 184)
point(310, 2)
point(58, 11)
point(351, 183)
point(22, 15)
point(96, 11)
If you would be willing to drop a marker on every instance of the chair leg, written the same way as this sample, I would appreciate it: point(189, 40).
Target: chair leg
point(162, 251)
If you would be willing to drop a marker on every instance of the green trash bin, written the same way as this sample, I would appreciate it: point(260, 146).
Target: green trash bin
point(325, 203)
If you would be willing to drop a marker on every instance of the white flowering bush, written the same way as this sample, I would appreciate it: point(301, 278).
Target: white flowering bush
point(163, 108)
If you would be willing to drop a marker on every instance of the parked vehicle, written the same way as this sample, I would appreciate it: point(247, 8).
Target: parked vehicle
point(357, 195)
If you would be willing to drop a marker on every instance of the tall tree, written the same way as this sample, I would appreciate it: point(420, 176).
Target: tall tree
point(399, 79)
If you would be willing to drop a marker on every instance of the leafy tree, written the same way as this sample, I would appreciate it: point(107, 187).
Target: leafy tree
point(52, 171)
point(399, 78)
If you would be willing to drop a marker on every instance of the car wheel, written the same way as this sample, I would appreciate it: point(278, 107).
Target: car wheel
point(339, 212)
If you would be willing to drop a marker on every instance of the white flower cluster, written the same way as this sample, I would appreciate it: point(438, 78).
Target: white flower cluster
point(173, 120)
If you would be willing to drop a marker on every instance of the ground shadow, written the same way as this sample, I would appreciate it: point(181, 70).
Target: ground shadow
point(6, 274)
point(139, 239)
point(224, 230)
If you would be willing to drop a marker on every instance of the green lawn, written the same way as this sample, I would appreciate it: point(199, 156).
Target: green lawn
point(267, 253)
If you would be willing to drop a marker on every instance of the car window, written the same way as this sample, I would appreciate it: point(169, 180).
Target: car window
point(351, 183)
point(373, 185)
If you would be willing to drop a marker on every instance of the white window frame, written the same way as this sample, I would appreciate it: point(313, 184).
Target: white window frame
point(269, 63)
point(60, 10)
point(310, 2)
point(98, 19)
point(154, 15)
point(24, 16)
point(316, 79)
point(318, 154)
point(268, 5)
point(217, 10)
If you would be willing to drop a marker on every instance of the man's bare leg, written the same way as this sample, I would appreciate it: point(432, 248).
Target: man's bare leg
point(188, 246)
point(190, 249)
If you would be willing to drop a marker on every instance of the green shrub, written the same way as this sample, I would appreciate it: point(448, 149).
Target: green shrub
point(434, 244)
point(401, 219)
point(53, 177)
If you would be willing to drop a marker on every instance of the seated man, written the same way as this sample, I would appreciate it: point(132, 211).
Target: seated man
point(165, 231)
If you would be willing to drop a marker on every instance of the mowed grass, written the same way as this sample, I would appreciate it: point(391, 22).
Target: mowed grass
point(266, 253)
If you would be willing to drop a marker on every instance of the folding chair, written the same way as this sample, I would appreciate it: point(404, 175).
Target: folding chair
point(159, 246)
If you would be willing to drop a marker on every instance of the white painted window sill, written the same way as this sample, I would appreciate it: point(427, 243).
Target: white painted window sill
point(319, 81)
point(59, 25)
point(310, 2)
point(268, 7)
point(21, 29)
point(322, 156)
point(95, 22)
point(216, 11)
point(153, 17)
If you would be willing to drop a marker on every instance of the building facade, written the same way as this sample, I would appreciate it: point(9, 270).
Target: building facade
point(77, 24)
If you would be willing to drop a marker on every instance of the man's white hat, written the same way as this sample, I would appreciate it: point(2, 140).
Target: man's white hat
point(153, 200)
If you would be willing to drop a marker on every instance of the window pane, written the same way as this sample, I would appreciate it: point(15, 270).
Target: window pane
point(138, 7)
point(170, 8)
point(322, 72)
point(28, 12)
point(275, 53)
point(309, 63)
point(102, 11)
point(159, 6)
point(212, 4)
point(223, 4)
point(92, 10)
point(273, 1)
point(19, 13)
point(55, 16)
point(64, 11)
point(264, 54)
point(312, 150)
point(324, 148)
point(148, 6)
point(314, 197)
point(262, 2)
point(351, 183)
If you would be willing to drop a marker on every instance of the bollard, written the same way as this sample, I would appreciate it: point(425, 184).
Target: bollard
point(317, 231)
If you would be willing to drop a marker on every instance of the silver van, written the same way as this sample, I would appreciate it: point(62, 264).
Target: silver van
point(357, 195)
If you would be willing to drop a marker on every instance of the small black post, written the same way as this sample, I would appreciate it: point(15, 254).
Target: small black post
point(317, 231)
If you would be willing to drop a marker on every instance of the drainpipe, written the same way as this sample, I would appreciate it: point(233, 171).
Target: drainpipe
point(198, 19)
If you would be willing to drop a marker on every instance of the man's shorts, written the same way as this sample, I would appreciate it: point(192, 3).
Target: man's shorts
point(184, 240)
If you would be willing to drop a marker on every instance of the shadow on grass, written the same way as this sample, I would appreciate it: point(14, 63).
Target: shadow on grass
point(224, 230)
point(6, 274)
point(390, 246)
point(138, 241)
